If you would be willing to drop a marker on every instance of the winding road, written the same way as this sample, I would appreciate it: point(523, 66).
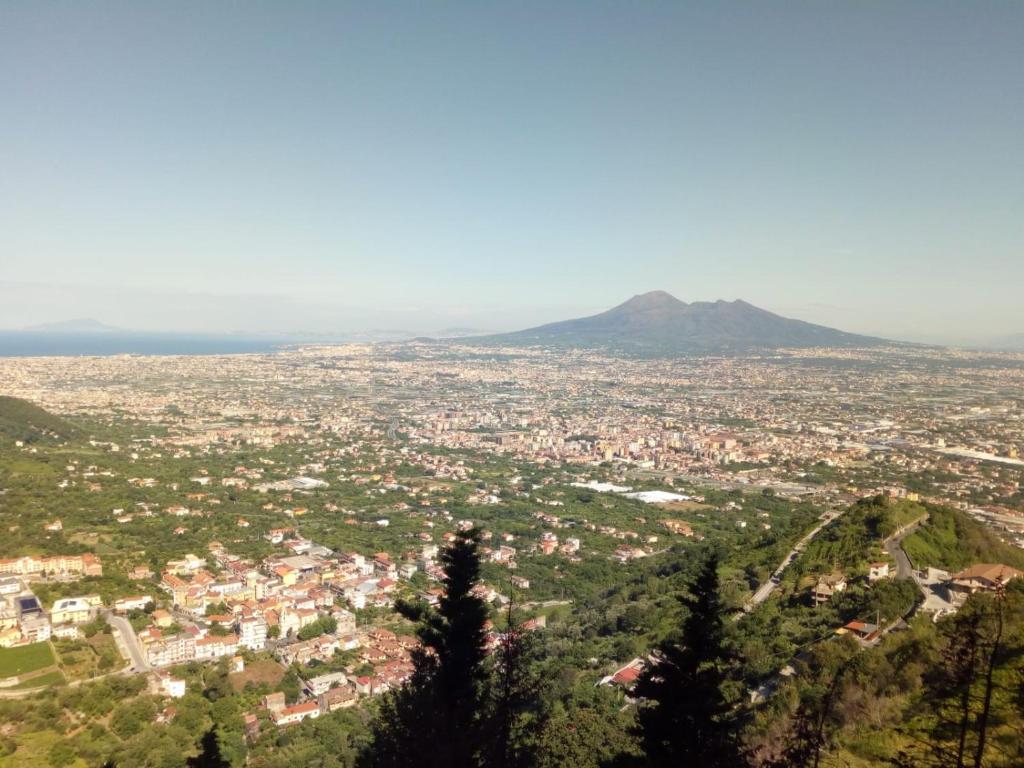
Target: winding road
point(894, 547)
point(765, 590)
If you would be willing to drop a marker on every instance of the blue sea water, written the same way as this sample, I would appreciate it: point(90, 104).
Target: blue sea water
point(46, 343)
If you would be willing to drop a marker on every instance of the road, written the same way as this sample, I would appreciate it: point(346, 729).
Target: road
point(765, 590)
point(129, 641)
point(894, 547)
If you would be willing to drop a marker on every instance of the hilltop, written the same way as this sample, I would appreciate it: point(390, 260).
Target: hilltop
point(658, 323)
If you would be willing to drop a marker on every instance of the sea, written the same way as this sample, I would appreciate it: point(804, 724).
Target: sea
point(54, 344)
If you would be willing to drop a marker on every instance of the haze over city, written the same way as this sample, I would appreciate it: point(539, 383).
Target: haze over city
point(574, 384)
point(341, 168)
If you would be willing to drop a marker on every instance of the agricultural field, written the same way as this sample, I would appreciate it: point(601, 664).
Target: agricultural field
point(26, 659)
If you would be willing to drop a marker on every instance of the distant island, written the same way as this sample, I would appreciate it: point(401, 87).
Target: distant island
point(78, 325)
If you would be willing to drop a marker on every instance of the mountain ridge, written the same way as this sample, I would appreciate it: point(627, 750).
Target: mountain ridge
point(657, 323)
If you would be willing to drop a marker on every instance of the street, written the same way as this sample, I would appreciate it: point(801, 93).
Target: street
point(127, 641)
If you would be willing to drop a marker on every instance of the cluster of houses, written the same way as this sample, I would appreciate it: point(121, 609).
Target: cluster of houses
point(950, 591)
point(247, 604)
point(56, 567)
point(23, 619)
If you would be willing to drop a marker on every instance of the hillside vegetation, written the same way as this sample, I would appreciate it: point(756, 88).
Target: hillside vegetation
point(25, 421)
point(952, 541)
point(855, 539)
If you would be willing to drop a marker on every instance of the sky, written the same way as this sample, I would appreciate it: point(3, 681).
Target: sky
point(332, 166)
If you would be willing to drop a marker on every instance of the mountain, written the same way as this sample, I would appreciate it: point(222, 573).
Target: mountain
point(25, 421)
point(79, 325)
point(657, 323)
point(1011, 343)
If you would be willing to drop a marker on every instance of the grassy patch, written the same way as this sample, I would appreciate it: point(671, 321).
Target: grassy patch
point(33, 751)
point(261, 671)
point(25, 658)
point(683, 506)
point(952, 541)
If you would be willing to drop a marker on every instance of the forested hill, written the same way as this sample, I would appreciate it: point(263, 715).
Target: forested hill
point(25, 421)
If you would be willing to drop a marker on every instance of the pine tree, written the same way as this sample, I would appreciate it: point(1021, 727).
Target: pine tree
point(516, 716)
point(210, 756)
point(685, 718)
point(437, 718)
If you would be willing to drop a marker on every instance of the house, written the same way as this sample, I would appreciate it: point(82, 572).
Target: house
point(341, 697)
point(251, 723)
point(296, 713)
point(65, 631)
point(35, 629)
point(863, 631)
point(827, 588)
point(982, 577)
point(134, 603)
point(678, 527)
point(213, 647)
point(165, 651)
point(140, 573)
point(878, 571)
point(274, 702)
point(323, 683)
point(626, 676)
point(167, 685)
point(74, 610)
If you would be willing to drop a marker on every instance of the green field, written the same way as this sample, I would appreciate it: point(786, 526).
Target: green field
point(25, 658)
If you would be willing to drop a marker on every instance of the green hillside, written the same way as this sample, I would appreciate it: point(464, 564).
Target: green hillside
point(25, 421)
point(951, 540)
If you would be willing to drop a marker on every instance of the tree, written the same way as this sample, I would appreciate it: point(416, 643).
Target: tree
point(60, 754)
point(810, 725)
point(515, 718)
point(436, 718)
point(585, 738)
point(210, 756)
point(966, 696)
point(686, 717)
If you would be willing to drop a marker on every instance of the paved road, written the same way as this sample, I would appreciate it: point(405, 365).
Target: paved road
point(765, 590)
point(894, 546)
point(129, 641)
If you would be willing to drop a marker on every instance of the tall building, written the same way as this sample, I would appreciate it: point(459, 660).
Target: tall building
point(253, 633)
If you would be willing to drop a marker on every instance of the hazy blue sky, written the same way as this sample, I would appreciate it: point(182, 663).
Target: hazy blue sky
point(335, 165)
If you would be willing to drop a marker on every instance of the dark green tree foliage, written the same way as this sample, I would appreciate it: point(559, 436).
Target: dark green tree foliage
point(209, 756)
point(515, 718)
point(436, 719)
point(970, 694)
point(587, 738)
point(686, 718)
point(810, 727)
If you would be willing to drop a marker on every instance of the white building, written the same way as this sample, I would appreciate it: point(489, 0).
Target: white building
point(253, 633)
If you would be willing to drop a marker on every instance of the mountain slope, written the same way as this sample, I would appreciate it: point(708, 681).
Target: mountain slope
point(25, 421)
point(657, 323)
